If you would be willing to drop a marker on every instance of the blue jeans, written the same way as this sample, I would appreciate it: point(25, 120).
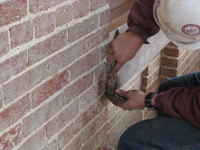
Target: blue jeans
point(164, 133)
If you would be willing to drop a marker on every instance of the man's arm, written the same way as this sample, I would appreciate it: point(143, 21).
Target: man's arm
point(181, 102)
point(141, 26)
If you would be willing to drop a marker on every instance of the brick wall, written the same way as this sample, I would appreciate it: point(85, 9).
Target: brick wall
point(51, 87)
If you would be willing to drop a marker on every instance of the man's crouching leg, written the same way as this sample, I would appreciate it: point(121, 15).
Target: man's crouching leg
point(161, 133)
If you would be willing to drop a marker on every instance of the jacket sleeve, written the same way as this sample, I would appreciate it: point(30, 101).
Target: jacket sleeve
point(140, 19)
point(181, 102)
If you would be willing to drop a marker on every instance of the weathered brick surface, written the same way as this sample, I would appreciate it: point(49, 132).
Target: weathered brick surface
point(35, 142)
point(39, 5)
point(64, 15)
point(21, 33)
point(95, 4)
point(81, 8)
point(83, 28)
point(13, 66)
point(42, 115)
point(45, 24)
point(4, 45)
point(12, 11)
point(15, 112)
point(47, 89)
point(51, 146)
point(47, 47)
point(11, 138)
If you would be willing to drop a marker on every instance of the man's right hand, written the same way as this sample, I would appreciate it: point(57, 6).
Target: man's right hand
point(123, 48)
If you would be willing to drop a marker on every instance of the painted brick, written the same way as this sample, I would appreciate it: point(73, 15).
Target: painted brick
point(81, 8)
point(45, 24)
point(89, 145)
point(64, 15)
point(15, 112)
point(34, 142)
point(47, 89)
point(42, 115)
point(105, 17)
point(47, 47)
point(95, 4)
point(21, 34)
point(4, 47)
point(77, 88)
point(66, 136)
point(95, 39)
point(11, 138)
point(13, 66)
point(84, 64)
point(85, 118)
point(75, 144)
point(65, 57)
point(11, 11)
point(61, 120)
point(51, 146)
point(100, 136)
point(24, 82)
point(39, 5)
point(90, 95)
point(83, 28)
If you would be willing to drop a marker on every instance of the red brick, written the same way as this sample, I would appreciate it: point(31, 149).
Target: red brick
point(95, 4)
point(104, 50)
point(90, 95)
point(95, 39)
point(83, 28)
point(85, 118)
point(100, 136)
point(45, 24)
point(75, 144)
point(13, 66)
point(103, 145)
point(39, 5)
point(47, 47)
point(152, 86)
point(11, 11)
point(168, 62)
point(77, 88)
point(105, 17)
point(24, 82)
point(66, 136)
point(21, 34)
point(35, 142)
point(42, 115)
point(4, 47)
point(47, 89)
point(173, 52)
point(89, 145)
point(64, 15)
point(62, 119)
point(51, 146)
point(84, 64)
point(11, 138)
point(14, 112)
point(1, 98)
point(81, 8)
point(168, 72)
point(65, 57)
point(99, 73)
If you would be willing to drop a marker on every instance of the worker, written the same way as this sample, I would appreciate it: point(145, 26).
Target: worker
point(178, 97)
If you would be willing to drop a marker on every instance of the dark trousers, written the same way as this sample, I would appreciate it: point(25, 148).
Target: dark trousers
point(164, 132)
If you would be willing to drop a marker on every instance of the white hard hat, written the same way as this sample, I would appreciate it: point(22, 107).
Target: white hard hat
point(180, 21)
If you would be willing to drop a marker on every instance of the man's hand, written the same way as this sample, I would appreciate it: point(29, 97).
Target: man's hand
point(135, 99)
point(123, 48)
